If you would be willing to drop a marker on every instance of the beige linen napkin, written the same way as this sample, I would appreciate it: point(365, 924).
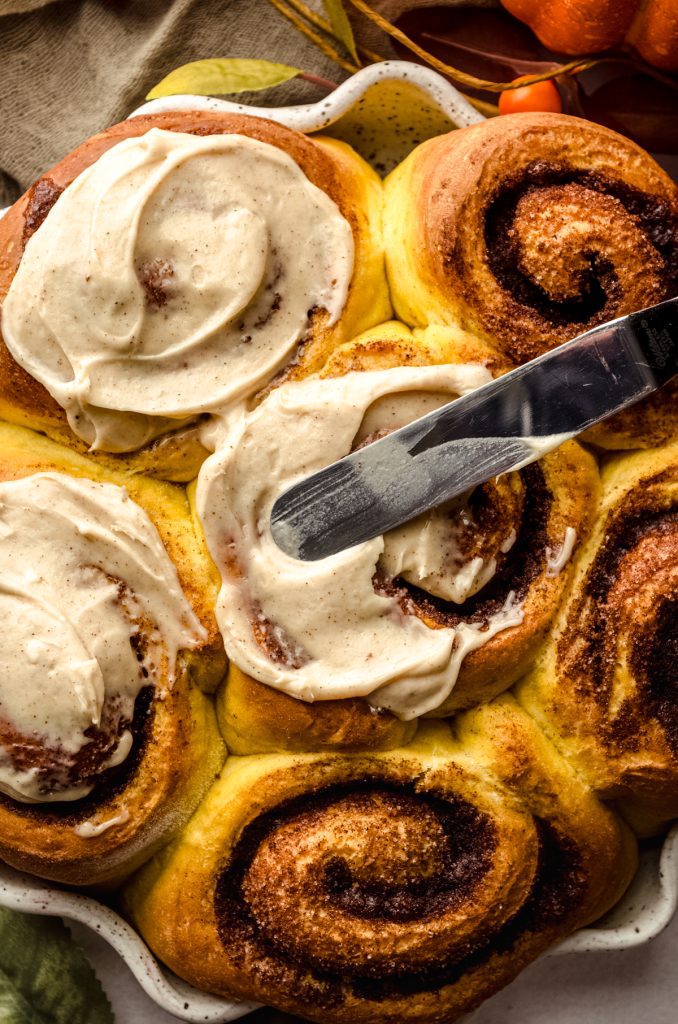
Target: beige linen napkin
point(21, 6)
point(71, 67)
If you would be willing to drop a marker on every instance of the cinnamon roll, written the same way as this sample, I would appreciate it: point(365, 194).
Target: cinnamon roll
point(107, 738)
point(604, 687)
point(170, 267)
point(436, 615)
point(406, 885)
point(530, 229)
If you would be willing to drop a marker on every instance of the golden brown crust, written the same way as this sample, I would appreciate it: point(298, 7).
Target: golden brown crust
point(404, 886)
point(604, 688)
point(331, 166)
point(177, 750)
point(530, 229)
point(256, 719)
point(410, 884)
point(177, 758)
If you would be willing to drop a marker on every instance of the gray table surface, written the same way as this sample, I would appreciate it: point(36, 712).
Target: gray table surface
point(629, 987)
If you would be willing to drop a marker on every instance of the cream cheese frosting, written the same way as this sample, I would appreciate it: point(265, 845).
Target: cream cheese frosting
point(557, 560)
point(93, 611)
point(320, 630)
point(173, 277)
point(428, 552)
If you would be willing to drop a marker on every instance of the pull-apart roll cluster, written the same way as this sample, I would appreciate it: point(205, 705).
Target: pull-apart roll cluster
point(375, 786)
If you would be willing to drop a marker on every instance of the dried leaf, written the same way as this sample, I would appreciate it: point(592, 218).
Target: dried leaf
point(219, 76)
point(341, 26)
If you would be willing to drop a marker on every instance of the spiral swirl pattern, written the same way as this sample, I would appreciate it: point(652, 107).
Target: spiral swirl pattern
point(107, 741)
point(398, 886)
point(375, 904)
point(414, 873)
point(207, 253)
point(606, 687)
point(565, 246)
point(578, 226)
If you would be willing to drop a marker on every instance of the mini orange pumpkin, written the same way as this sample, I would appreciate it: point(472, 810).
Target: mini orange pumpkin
point(587, 26)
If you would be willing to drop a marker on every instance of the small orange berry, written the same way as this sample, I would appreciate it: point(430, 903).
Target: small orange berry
point(539, 96)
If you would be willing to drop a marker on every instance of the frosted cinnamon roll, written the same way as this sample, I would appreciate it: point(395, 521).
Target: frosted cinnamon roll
point(172, 266)
point(107, 740)
point(604, 688)
point(406, 885)
point(529, 229)
point(434, 616)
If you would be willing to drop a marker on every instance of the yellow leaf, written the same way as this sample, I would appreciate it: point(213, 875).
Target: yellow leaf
point(220, 76)
point(341, 26)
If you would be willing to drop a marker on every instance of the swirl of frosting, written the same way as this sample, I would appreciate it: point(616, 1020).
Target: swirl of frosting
point(392, 619)
point(386, 887)
point(605, 688)
point(490, 569)
point(94, 613)
point(529, 230)
point(174, 276)
point(320, 630)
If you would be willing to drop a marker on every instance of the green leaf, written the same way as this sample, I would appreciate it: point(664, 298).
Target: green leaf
point(220, 76)
point(45, 977)
point(341, 26)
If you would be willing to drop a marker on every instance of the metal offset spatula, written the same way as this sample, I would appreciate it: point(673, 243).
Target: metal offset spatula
point(502, 426)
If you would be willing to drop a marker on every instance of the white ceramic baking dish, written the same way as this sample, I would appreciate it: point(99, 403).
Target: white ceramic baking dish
point(383, 111)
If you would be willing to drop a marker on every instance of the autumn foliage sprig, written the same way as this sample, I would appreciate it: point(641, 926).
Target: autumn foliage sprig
point(333, 35)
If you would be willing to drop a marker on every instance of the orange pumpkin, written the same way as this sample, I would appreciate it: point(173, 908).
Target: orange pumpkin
point(587, 26)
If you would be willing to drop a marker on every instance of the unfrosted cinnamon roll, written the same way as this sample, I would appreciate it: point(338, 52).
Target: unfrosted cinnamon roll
point(173, 265)
point(107, 739)
point(434, 616)
point(604, 688)
point(406, 885)
point(529, 229)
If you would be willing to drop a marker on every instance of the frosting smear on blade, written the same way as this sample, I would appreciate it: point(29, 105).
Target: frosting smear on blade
point(93, 611)
point(325, 630)
point(173, 277)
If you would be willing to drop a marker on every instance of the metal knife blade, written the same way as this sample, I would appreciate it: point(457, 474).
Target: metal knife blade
point(500, 427)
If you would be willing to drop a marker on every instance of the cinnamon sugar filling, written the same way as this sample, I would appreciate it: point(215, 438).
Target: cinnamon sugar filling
point(453, 847)
point(518, 568)
point(108, 783)
point(589, 261)
point(41, 198)
point(640, 553)
point(656, 662)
